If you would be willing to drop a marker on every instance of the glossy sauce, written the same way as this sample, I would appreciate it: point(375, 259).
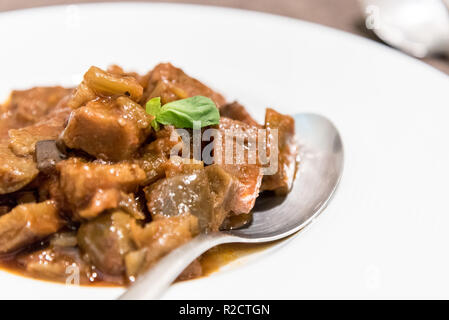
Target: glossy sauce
point(211, 261)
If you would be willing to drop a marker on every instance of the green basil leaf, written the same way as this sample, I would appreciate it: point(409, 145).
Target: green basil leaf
point(153, 107)
point(183, 113)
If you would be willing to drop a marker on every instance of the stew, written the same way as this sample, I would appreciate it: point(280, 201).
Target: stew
point(105, 179)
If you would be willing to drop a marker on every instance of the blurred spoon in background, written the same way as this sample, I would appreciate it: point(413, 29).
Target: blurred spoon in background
point(417, 27)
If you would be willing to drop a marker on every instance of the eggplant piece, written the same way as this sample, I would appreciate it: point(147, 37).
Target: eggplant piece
point(48, 155)
point(106, 240)
point(182, 194)
point(224, 188)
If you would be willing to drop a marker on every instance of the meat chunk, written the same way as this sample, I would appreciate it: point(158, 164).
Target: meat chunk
point(152, 164)
point(26, 107)
point(156, 154)
point(32, 104)
point(108, 129)
point(171, 83)
point(224, 188)
point(55, 263)
point(23, 141)
point(28, 223)
point(15, 172)
point(103, 200)
point(106, 240)
point(281, 181)
point(236, 152)
point(236, 111)
point(182, 194)
point(80, 182)
point(158, 238)
point(250, 178)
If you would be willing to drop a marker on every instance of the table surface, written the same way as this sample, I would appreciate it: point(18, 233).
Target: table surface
point(342, 14)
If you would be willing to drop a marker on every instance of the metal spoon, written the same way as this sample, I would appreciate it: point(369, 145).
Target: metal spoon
point(417, 27)
point(320, 169)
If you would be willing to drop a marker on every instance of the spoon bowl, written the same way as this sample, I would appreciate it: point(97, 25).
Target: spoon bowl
point(320, 168)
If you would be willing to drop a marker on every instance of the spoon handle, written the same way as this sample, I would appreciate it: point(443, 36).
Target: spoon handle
point(153, 283)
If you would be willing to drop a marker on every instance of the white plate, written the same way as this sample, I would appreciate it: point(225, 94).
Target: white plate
point(385, 233)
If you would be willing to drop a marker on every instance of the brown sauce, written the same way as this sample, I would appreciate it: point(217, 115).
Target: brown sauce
point(220, 256)
point(211, 262)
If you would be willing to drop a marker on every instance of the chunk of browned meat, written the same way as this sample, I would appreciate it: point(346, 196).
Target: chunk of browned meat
point(158, 238)
point(55, 263)
point(28, 223)
point(241, 161)
point(281, 182)
point(152, 164)
point(15, 172)
point(106, 240)
point(224, 188)
point(26, 107)
point(80, 182)
point(171, 83)
point(23, 141)
point(236, 111)
point(180, 194)
point(108, 129)
point(103, 200)
point(250, 179)
point(156, 154)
